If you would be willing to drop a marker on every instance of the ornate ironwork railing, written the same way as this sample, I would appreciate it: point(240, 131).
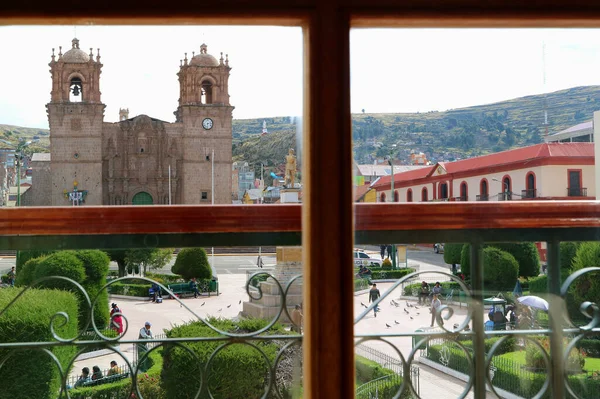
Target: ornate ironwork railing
point(473, 223)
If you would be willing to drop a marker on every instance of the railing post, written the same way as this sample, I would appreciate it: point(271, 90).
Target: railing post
point(556, 305)
point(479, 372)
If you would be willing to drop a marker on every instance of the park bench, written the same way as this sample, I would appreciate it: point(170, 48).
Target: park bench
point(105, 380)
point(181, 289)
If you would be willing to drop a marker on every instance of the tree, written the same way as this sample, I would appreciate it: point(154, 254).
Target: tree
point(526, 254)
point(147, 258)
point(192, 263)
point(118, 256)
point(452, 253)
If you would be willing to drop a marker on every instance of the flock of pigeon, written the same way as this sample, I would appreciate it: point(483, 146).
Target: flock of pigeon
point(220, 310)
point(396, 304)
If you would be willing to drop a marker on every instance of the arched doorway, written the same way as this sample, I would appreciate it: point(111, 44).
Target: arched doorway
point(142, 198)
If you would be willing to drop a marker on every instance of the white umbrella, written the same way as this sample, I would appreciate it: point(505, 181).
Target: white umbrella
point(534, 302)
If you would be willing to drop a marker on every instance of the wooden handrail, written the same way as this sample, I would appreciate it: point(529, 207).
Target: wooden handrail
point(287, 218)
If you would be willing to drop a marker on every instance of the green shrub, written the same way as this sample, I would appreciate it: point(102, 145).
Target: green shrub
point(509, 345)
point(95, 264)
point(24, 256)
point(568, 251)
point(591, 347)
point(525, 253)
point(139, 290)
point(391, 274)
point(192, 262)
point(500, 269)
point(32, 373)
point(586, 287)
point(535, 359)
point(538, 285)
point(447, 286)
point(27, 273)
point(236, 372)
point(164, 279)
point(368, 370)
point(452, 253)
point(64, 264)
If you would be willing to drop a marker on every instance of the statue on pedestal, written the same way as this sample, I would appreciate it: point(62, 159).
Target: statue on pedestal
point(290, 169)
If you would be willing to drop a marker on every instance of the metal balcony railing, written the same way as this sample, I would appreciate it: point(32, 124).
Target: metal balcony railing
point(529, 193)
point(482, 197)
point(280, 225)
point(504, 196)
point(576, 192)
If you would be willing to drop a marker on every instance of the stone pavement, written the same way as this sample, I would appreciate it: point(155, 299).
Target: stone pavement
point(433, 384)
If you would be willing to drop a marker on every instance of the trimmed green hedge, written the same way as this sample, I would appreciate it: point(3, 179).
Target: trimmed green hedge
point(500, 268)
point(390, 274)
point(165, 279)
point(192, 262)
point(368, 370)
point(237, 372)
point(32, 373)
point(447, 286)
point(452, 253)
point(121, 288)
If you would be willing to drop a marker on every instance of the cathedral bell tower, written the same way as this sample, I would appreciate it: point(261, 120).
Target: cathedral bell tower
point(75, 114)
point(206, 115)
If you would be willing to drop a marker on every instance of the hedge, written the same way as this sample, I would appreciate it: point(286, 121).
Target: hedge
point(447, 286)
point(165, 279)
point(237, 372)
point(95, 264)
point(120, 288)
point(24, 256)
point(27, 273)
point(525, 253)
point(500, 268)
point(122, 388)
point(32, 373)
point(368, 370)
point(390, 274)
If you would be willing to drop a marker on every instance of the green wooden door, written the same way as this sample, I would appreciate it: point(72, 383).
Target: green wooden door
point(142, 198)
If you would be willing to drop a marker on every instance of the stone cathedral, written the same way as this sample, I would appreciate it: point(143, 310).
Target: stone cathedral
point(93, 162)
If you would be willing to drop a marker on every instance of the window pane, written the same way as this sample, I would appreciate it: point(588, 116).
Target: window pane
point(108, 136)
point(481, 115)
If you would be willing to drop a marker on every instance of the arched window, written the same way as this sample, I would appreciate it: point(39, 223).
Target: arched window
point(382, 197)
point(530, 191)
point(76, 90)
point(443, 190)
point(142, 198)
point(207, 92)
point(424, 195)
point(506, 188)
point(409, 195)
point(464, 191)
point(396, 196)
point(484, 192)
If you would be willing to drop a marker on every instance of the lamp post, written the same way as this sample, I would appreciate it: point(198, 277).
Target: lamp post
point(393, 197)
point(505, 184)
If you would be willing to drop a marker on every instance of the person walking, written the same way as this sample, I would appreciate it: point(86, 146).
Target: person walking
point(382, 249)
point(142, 347)
point(11, 276)
point(389, 251)
point(435, 305)
point(116, 318)
point(374, 294)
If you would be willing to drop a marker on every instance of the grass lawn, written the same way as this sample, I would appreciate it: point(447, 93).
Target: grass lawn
point(591, 363)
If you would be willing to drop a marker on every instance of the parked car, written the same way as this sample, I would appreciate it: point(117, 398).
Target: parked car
point(363, 258)
point(438, 247)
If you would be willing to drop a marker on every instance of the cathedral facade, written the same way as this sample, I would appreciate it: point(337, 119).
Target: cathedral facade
point(139, 160)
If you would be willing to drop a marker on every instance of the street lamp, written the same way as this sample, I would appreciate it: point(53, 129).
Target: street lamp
point(393, 199)
point(507, 191)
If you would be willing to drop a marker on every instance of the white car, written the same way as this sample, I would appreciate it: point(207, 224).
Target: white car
point(363, 258)
point(438, 248)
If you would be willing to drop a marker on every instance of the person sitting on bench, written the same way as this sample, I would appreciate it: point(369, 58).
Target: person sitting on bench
point(194, 287)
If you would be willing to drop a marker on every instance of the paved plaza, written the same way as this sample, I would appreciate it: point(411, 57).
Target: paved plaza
point(433, 384)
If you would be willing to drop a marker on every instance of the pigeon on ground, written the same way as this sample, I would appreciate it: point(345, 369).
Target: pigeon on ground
point(408, 305)
point(228, 306)
point(240, 302)
point(387, 325)
point(203, 303)
point(416, 307)
point(418, 313)
point(411, 317)
point(405, 311)
point(220, 309)
point(396, 322)
point(364, 305)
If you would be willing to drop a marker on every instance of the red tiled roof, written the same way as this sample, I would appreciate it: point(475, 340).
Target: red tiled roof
point(545, 150)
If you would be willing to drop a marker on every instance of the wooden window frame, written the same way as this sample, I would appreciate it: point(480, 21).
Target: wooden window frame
point(327, 212)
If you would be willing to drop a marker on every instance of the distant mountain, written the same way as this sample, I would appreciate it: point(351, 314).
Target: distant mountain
point(442, 136)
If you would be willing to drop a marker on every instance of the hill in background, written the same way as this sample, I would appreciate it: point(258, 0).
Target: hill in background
point(442, 136)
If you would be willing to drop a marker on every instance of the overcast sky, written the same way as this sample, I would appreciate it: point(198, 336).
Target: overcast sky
point(400, 70)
